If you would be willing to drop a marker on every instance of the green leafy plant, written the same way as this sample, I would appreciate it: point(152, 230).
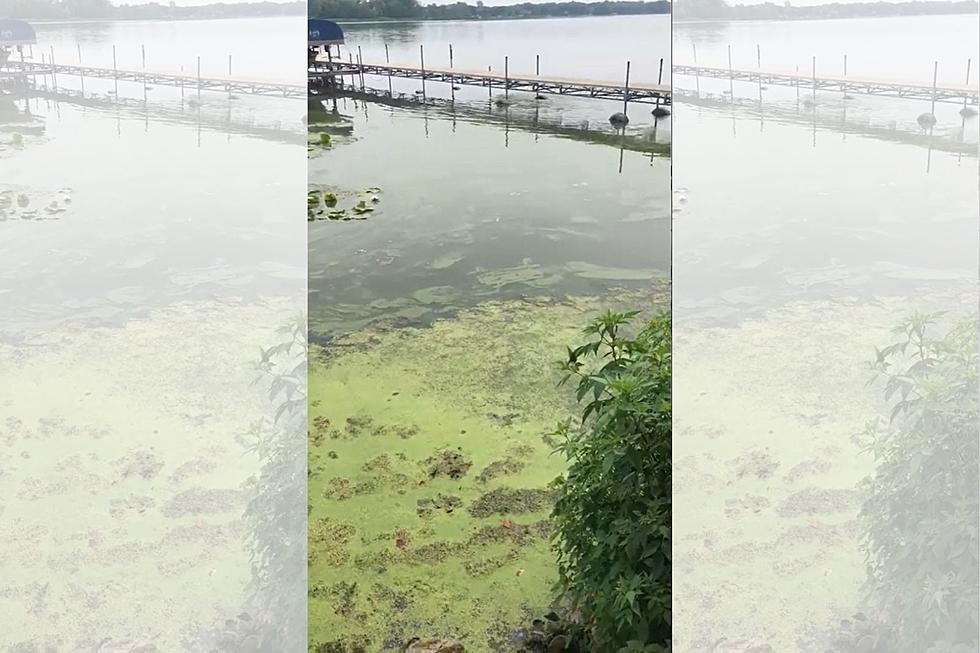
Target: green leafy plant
point(612, 516)
point(921, 515)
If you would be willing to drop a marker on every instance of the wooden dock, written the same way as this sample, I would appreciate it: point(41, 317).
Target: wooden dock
point(640, 92)
point(950, 93)
point(189, 82)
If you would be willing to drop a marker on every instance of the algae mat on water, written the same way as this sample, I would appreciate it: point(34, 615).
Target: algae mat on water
point(430, 472)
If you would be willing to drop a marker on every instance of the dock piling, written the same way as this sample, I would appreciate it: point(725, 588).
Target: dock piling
point(81, 77)
point(660, 79)
point(814, 78)
point(935, 80)
point(758, 63)
point(143, 56)
point(422, 62)
point(489, 82)
point(54, 71)
point(968, 62)
point(115, 73)
point(626, 89)
point(360, 65)
point(452, 82)
point(731, 75)
point(697, 75)
point(506, 77)
point(199, 76)
point(388, 62)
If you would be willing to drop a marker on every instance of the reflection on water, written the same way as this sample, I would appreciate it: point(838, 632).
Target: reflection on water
point(804, 232)
point(149, 250)
point(455, 252)
point(483, 209)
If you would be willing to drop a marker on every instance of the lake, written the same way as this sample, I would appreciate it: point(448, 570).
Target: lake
point(149, 250)
point(456, 250)
point(802, 235)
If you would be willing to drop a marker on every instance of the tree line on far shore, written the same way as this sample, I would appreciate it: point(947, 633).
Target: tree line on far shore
point(721, 10)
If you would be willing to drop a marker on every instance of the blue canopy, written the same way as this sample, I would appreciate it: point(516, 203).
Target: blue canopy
point(324, 32)
point(16, 32)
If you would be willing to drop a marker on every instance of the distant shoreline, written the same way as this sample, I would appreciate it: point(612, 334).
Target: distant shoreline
point(791, 19)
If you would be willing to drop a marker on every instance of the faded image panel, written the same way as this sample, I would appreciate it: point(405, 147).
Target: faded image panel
point(480, 193)
point(152, 337)
point(826, 239)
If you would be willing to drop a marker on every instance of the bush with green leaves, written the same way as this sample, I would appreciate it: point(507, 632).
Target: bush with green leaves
point(612, 516)
point(921, 514)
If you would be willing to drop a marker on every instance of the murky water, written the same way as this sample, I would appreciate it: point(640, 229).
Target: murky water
point(802, 236)
point(148, 250)
point(486, 239)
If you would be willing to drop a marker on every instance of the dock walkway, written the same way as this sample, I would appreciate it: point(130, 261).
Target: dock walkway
point(639, 92)
point(954, 93)
point(192, 82)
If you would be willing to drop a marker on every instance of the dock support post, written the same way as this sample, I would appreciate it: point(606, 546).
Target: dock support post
point(660, 79)
point(229, 75)
point(54, 71)
point(181, 86)
point(626, 89)
point(199, 76)
point(81, 77)
point(935, 79)
point(843, 86)
point(452, 81)
point(697, 76)
point(537, 73)
point(758, 65)
point(731, 75)
point(489, 82)
point(143, 56)
point(965, 97)
point(388, 63)
point(422, 62)
point(115, 73)
point(797, 83)
point(814, 78)
point(506, 77)
point(360, 66)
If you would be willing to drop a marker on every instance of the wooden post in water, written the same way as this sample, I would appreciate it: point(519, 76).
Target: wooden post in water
point(81, 77)
point(452, 82)
point(388, 63)
point(360, 65)
point(626, 89)
point(229, 76)
point(697, 77)
point(968, 62)
point(198, 76)
point(54, 71)
point(935, 79)
point(506, 77)
point(843, 86)
point(660, 79)
point(115, 73)
point(814, 78)
point(182, 85)
point(758, 65)
point(143, 58)
point(422, 62)
point(797, 83)
point(489, 82)
point(731, 75)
